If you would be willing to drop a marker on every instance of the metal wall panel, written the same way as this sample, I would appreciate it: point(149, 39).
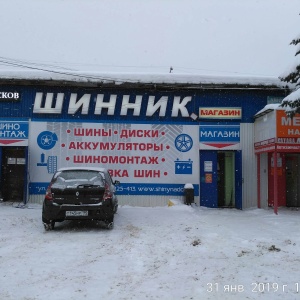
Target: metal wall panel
point(37, 199)
point(144, 201)
point(249, 101)
point(264, 180)
point(249, 166)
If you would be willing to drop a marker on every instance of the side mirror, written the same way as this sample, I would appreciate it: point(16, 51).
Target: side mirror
point(116, 182)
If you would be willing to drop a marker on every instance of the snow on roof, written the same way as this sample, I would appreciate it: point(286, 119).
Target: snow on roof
point(268, 108)
point(142, 78)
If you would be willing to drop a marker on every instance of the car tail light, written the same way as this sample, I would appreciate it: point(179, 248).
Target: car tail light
point(107, 194)
point(48, 195)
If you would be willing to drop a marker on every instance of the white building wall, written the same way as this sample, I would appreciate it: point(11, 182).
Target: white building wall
point(265, 127)
point(151, 201)
point(142, 201)
point(249, 166)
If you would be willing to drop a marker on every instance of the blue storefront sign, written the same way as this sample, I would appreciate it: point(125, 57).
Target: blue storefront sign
point(219, 136)
point(14, 133)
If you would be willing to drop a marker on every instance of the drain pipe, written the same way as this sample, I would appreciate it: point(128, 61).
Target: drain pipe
point(275, 182)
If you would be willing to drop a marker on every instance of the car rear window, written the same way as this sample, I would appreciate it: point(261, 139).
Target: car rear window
point(75, 177)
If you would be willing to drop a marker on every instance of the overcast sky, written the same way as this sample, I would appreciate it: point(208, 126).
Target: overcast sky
point(224, 37)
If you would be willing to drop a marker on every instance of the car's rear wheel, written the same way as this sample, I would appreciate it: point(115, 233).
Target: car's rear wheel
point(109, 222)
point(48, 225)
point(109, 225)
point(115, 208)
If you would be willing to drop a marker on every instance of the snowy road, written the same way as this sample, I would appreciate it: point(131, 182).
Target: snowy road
point(176, 252)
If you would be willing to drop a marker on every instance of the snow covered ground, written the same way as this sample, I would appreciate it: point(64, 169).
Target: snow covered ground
point(172, 252)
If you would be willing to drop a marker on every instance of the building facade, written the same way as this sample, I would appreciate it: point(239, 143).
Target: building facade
point(277, 143)
point(154, 138)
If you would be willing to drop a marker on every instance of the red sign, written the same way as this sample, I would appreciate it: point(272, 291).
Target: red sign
point(220, 113)
point(287, 128)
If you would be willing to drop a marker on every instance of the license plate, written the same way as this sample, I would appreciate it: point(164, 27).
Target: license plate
point(77, 213)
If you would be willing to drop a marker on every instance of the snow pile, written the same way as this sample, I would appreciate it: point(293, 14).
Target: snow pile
point(188, 186)
point(294, 96)
point(291, 103)
point(170, 253)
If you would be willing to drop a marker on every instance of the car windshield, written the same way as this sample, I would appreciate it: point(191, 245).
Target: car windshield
point(78, 177)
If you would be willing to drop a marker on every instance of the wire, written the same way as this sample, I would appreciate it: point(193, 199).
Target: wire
point(17, 63)
point(53, 71)
point(68, 71)
point(9, 60)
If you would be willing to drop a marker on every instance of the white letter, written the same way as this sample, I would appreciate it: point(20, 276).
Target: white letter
point(180, 106)
point(84, 102)
point(47, 109)
point(136, 106)
point(110, 105)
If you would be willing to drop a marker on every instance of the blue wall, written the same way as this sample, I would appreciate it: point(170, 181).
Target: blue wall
point(251, 101)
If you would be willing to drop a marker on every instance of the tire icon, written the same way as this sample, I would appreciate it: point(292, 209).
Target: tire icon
point(52, 164)
point(47, 140)
point(183, 143)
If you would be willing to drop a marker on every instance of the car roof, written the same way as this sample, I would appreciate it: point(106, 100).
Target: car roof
point(83, 169)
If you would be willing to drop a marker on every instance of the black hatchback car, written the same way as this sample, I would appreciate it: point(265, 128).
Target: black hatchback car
point(80, 194)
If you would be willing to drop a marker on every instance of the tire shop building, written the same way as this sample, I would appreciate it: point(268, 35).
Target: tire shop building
point(154, 133)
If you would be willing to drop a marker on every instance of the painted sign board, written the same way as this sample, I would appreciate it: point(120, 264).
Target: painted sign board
point(288, 129)
point(148, 159)
point(219, 136)
point(285, 137)
point(220, 112)
point(14, 133)
point(265, 146)
point(288, 132)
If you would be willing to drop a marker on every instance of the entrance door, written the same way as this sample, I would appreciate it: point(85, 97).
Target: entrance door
point(13, 173)
point(226, 179)
point(220, 184)
point(292, 180)
point(208, 178)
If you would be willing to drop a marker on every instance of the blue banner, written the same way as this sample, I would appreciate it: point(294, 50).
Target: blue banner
point(13, 130)
point(39, 188)
point(219, 133)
